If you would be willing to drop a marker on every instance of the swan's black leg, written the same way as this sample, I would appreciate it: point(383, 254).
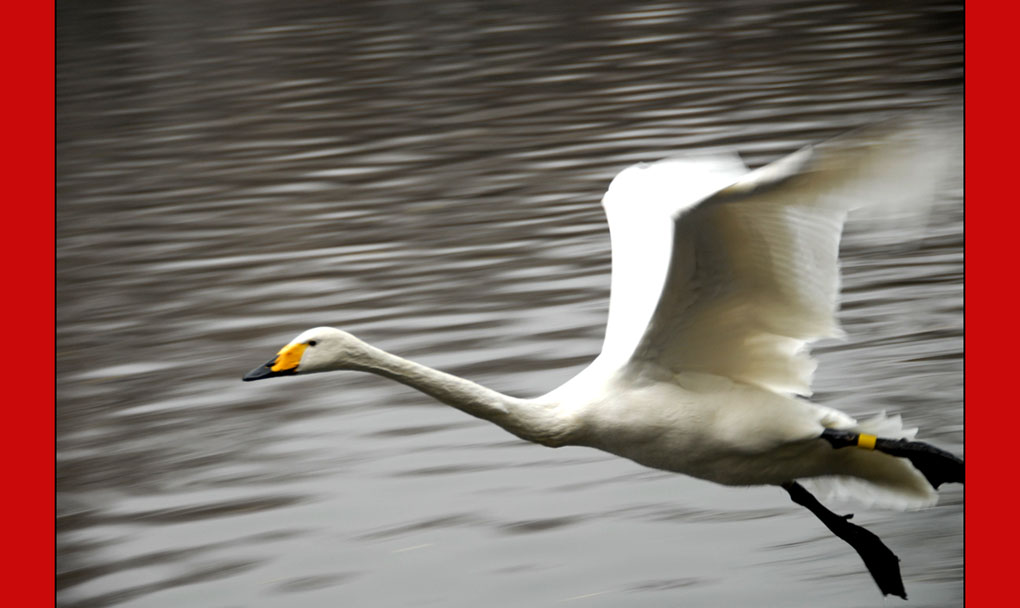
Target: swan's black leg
point(882, 563)
point(938, 466)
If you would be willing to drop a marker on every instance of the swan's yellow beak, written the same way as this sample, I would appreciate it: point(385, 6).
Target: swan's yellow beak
point(289, 357)
point(285, 363)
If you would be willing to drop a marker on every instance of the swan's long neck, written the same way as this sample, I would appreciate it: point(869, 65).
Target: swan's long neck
point(530, 419)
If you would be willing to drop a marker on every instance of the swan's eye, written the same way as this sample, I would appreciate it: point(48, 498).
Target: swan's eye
point(312, 343)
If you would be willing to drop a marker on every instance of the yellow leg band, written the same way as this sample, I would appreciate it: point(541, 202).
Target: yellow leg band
point(866, 441)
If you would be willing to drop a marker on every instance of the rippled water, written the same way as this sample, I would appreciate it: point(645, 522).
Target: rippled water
point(427, 176)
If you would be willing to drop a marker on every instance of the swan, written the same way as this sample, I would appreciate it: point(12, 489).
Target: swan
point(721, 278)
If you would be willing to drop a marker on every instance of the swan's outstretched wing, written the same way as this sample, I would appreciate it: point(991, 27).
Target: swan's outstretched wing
point(640, 204)
point(739, 283)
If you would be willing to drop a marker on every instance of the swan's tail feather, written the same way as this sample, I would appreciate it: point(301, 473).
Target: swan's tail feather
point(885, 426)
point(873, 478)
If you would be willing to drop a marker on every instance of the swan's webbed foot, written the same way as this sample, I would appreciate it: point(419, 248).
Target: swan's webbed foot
point(881, 562)
point(938, 466)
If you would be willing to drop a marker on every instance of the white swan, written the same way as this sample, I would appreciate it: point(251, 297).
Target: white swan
point(721, 277)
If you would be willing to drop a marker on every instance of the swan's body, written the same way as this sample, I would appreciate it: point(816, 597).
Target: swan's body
point(721, 278)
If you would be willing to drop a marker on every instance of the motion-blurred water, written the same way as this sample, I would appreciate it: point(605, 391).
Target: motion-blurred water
point(427, 176)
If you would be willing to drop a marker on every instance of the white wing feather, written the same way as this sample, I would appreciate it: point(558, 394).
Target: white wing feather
point(733, 273)
point(640, 204)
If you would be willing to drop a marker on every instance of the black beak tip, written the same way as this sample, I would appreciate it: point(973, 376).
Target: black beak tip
point(266, 371)
point(258, 373)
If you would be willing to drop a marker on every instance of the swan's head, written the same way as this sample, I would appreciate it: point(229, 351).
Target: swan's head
point(321, 349)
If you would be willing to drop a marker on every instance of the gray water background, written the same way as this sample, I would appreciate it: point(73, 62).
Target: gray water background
point(428, 176)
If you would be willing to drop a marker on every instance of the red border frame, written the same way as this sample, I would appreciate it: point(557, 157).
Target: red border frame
point(990, 244)
point(28, 231)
